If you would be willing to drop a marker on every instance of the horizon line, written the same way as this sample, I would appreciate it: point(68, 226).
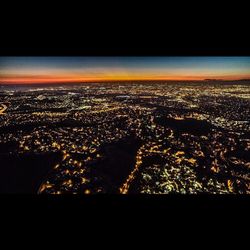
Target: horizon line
point(113, 81)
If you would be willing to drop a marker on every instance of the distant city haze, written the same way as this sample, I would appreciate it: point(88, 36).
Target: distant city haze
point(30, 70)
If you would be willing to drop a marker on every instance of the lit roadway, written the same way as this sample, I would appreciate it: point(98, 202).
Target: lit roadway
point(3, 107)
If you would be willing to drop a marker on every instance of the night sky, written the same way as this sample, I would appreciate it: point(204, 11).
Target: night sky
point(84, 69)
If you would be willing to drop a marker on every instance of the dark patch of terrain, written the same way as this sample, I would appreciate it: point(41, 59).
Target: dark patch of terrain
point(119, 160)
point(192, 126)
point(24, 173)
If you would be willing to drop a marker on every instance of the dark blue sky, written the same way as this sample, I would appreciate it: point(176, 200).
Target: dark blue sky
point(123, 67)
point(173, 62)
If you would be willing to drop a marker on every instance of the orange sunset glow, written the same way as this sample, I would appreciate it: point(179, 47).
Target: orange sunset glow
point(20, 70)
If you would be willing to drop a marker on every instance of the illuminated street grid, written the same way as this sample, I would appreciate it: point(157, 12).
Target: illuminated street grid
point(151, 138)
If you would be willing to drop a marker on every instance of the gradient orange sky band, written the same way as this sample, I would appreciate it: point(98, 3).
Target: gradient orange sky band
point(67, 71)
